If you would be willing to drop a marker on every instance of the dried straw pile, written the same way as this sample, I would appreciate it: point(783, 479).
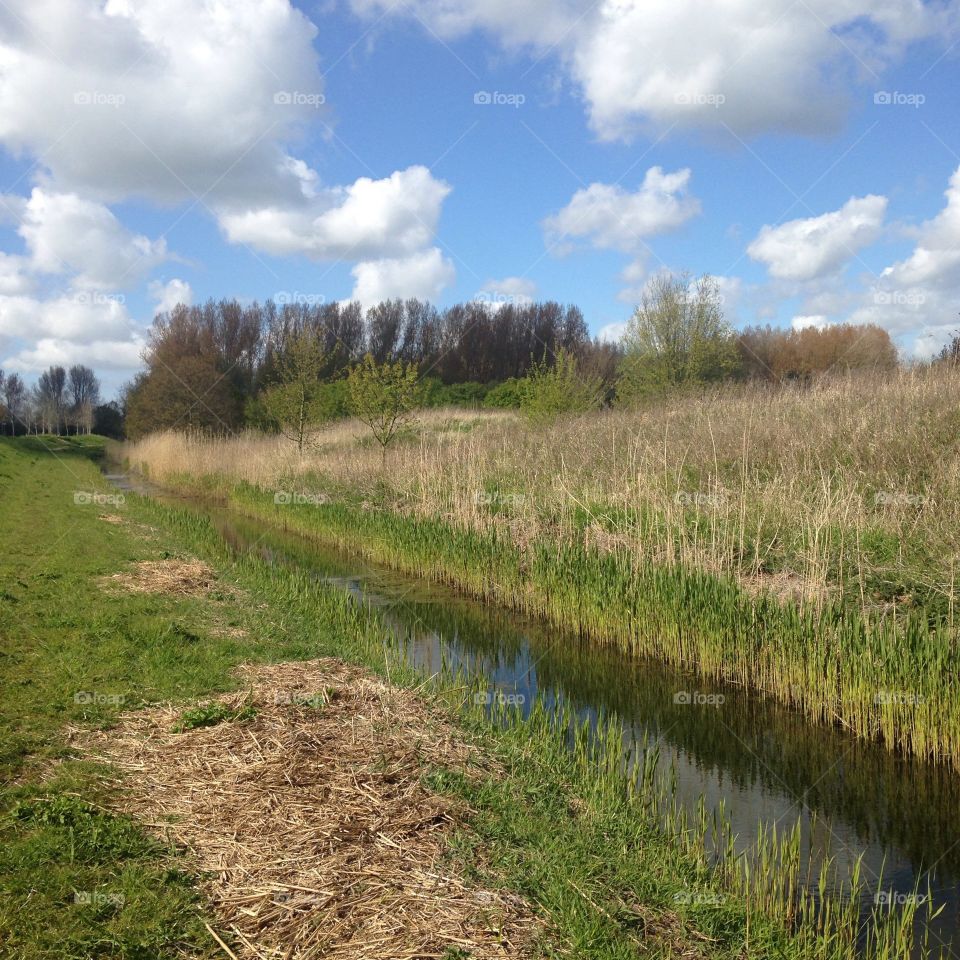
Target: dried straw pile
point(311, 823)
point(177, 577)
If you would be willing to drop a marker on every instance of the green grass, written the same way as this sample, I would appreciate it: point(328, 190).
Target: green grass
point(614, 869)
point(210, 714)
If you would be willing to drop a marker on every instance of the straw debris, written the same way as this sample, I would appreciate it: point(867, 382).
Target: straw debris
point(311, 821)
point(173, 576)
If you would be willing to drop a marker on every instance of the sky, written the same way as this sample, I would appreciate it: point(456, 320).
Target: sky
point(805, 153)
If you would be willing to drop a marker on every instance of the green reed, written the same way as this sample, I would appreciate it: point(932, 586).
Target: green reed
point(893, 678)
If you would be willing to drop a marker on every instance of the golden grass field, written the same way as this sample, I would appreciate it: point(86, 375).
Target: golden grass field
point(849, 485)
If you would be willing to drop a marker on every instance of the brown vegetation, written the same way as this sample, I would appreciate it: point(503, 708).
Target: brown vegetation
point(311, 822)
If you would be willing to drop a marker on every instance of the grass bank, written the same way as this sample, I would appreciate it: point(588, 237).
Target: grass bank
point(803, 542)
point(88, 648)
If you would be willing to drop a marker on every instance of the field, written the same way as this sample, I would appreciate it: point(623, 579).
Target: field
point(803, 541)
point(121, 671)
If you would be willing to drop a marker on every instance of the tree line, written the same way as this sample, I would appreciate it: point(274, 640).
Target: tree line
point(211, 366)
point(216, 366)
point(222, 366)
point(64, 400)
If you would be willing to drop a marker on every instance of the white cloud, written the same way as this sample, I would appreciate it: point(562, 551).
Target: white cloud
point(81, 316)
point(807, 249)
point(14, 278)
point(395, 216)
point(813, 320)
point(168, 295)
point(169, 101)
point(65, 233)
point(752, 65)
point(422, 275)
point(612, 218)
point(916, 298)
point(515, 290)
point(612, 332)
point(935, 262)
point(113, 355)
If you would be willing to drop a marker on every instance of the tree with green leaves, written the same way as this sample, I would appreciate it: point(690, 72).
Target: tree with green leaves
point(297, 401)
point(385, 397)
point(552, 389)
point(677, 337)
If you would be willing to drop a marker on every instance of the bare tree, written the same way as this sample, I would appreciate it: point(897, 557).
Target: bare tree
point(84, 389)
point(49, 395)
point(14, 395)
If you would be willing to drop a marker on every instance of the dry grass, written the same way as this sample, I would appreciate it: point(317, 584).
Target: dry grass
point(791, 486)
point(311, 822)
point(173, 577)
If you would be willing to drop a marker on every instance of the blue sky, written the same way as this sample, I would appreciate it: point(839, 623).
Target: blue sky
point(804, 153)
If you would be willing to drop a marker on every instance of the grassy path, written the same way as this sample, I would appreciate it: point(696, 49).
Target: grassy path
point(77, 881)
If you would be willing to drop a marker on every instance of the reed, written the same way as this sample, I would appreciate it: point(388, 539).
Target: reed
point(801, 542)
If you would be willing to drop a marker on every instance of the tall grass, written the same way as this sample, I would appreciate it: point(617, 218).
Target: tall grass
point(802, 541)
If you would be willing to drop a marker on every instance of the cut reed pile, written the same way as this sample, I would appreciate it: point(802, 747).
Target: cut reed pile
point(311, 821)
point(185, 577)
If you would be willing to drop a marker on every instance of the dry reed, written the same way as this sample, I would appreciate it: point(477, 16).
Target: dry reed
point(311, 822)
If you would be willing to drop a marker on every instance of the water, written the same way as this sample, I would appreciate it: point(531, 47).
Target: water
point(765, 762)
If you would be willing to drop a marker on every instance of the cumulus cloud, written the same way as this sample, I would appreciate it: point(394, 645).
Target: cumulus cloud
point(170, 101)
point(14, 278)
point(802, 322)
point(610, 217)
point(111, 355)
point(806, 249)
point(65, 233)
point(612, 332)
point(423, 275)
point(515, 290)
point(81, 316)
point(918, 295)
point(168, 295)
point(395, 216)
point(752, 65)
